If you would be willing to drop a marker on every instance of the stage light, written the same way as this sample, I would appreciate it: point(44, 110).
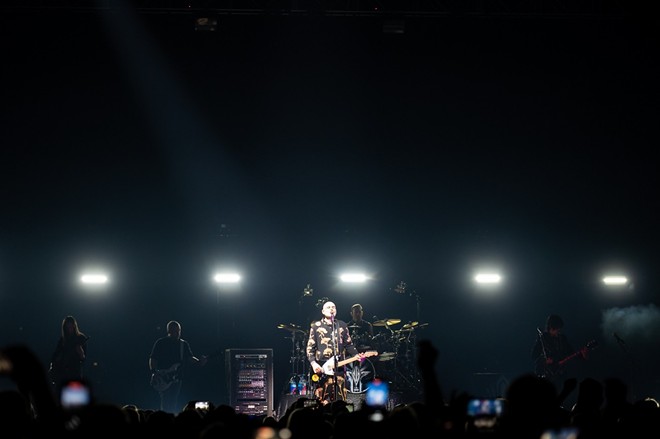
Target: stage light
point(488, 278)
point(615, 280)
point(94, 279)
point(400, 288)
point(353, 278)
point(227, 278)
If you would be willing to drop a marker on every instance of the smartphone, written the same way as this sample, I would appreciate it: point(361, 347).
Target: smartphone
point(484, 407)
point(75, 394)
point(378, 393)
point(202, 405)
point(311, 403)
point(562, 433)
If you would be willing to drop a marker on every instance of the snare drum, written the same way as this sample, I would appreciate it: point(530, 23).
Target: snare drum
point(359, 375)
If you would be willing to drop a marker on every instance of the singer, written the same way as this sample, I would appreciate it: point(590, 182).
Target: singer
point(329, 343)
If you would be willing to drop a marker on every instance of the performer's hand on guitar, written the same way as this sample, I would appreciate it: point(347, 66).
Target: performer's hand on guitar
point(584, 351)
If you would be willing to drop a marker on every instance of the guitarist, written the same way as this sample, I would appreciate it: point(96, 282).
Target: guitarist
point(330, 342)
point(551, 349)
point(169, 356)
point(69, 355)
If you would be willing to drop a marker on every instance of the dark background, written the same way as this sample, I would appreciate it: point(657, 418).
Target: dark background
point(292, 147)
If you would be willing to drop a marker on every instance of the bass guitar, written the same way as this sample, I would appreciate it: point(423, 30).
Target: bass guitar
point(162, 379)
point(557, 368)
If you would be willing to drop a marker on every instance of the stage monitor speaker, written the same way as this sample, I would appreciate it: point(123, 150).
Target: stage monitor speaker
point(285, 402)
point(250, 380)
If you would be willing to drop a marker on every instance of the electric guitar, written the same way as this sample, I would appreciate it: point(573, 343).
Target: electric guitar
point(558, 367)
point(162, 379)
point(329, 366)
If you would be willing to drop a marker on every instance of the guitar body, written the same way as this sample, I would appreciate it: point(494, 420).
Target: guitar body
point(558, 368)
point(162, 379)
point(331, 387)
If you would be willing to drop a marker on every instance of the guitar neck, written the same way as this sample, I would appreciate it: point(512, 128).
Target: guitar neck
point(348, 360)
point(570, 357)
point(357, 357)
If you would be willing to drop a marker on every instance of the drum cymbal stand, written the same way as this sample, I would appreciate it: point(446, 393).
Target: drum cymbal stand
point(407, 375)
point(298, 357)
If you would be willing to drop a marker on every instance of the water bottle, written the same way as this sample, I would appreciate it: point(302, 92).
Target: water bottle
point(293, 386)
point(302, 385)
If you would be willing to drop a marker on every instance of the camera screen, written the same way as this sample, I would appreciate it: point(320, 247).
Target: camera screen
point(377, 393)
point(75, 394)
point(202, 405)
point(484, 407)
point(564, 433)
point(312, 403)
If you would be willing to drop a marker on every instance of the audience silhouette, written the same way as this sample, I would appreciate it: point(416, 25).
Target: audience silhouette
point(532, 408)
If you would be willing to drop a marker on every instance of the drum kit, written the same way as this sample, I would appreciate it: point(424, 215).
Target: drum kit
point(395, 360)
point(298, 339)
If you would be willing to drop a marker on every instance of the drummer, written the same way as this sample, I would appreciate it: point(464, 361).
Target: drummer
point(362, 331)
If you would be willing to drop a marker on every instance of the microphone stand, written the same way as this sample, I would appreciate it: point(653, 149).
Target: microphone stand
point(634, 370)
point(543, 351)
point(336, 356)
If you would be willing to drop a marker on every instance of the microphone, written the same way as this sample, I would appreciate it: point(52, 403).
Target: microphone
point(619, 339)
point(539, 331)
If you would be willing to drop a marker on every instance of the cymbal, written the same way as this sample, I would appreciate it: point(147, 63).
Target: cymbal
point(290, 327)
point(386, 322)
point(353, 326)
point(410, 325)
point(387, 356)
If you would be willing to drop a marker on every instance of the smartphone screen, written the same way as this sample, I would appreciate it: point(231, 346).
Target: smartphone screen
point(486, 407)
point(563, 433)
point(202, 405)
point(310, 403)
point(484, 412)
point(75, 394)
point(377, 393)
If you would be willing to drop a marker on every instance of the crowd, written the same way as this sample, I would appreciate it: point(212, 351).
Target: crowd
point(532, 408)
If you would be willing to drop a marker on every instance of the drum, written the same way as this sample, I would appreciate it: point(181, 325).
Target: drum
point(385, 346)
point(361, 340)
point(359, 375)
